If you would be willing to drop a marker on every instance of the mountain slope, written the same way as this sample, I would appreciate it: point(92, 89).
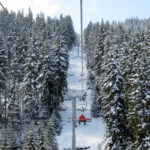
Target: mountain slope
point(91, 134)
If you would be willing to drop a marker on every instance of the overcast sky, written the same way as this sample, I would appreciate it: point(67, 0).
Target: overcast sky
point(93, 10)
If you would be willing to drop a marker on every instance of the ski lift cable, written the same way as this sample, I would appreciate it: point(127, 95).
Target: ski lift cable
point(4, 8)
point(82, 59)
point(81, 44)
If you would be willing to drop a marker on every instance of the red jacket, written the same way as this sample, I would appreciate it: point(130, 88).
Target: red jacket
point(82, 118)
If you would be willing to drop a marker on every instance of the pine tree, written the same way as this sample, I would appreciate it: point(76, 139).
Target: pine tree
point(30, 84)
point(138, 118)
point(67, 30)
point(115, 110)
point(33, 70)
point(41, 140)
point(118, 60)
point(42, 78)
point(100, 35)
point(145, 56)
point(113, 100)
point(59, 64)
point(4, 141)
point(50, 142)
point(29, 143)
point(3, 60)
point(12, 138)
point(57, 122)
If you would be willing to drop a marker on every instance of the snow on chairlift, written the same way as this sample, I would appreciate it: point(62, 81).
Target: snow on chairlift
point(83, 119)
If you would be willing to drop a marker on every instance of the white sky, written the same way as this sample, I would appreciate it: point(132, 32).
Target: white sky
point(49, 7)
point(93, 10)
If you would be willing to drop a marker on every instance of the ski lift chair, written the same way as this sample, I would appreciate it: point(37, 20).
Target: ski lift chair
point(82, 118)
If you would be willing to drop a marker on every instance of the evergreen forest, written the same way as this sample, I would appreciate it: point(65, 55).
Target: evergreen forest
point(118, 62)
point(33, 70)
point(35, 56)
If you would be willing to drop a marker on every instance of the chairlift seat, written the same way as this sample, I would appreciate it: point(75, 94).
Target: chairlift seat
point(82, 118)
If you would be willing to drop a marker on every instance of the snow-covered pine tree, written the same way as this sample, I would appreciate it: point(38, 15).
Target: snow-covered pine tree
point(87, 32)
point(115, 110)
point(145, 70)
point(49, 28)
point(13, 103)
point(30, 84)
point(59, 64)
point(139, 94)
point(113, 99)
point(31, 75)
point(43, 78)
point(96, 103)
point(89, 48)
point(100, 35)
point(40, 30)
point(3, 141)
point(13, 115)
point(131, 84)
point(57, 122)
point(12, 138)
point(132, 59)
point(50, 141)
point(3, 77)
point(29, 142)
point(41, 139)
point(67, 30)
point(126, 65)
point(29, 22)
point(99, 48)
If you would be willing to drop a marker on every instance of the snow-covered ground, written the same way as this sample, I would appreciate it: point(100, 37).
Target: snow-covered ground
point(91, 134)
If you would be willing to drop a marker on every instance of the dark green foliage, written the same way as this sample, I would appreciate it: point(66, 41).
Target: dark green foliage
point(119, 58)
point(67, 30)
point(57, 122)
point(50, 140)
point(29, 140)
point(33, 72)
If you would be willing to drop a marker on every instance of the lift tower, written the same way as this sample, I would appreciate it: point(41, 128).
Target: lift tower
point(81, 41)
point(74, 98)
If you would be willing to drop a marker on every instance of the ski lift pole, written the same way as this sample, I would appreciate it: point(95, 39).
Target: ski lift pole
point(81, 42)
point(73, 123)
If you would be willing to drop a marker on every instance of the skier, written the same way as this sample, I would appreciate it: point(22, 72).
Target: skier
point(82, 119)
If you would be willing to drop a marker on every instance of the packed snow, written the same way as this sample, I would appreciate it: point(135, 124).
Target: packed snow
point(93, 133)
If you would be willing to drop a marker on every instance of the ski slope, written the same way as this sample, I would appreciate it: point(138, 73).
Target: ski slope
point(89, 135)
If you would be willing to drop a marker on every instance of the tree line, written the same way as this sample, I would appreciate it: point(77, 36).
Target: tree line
point(118, 62)
point(33, 70)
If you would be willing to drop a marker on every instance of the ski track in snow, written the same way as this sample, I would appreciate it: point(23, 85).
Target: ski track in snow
point(91, 134)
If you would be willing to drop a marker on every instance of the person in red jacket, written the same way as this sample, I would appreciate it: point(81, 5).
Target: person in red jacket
point(82, 119)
